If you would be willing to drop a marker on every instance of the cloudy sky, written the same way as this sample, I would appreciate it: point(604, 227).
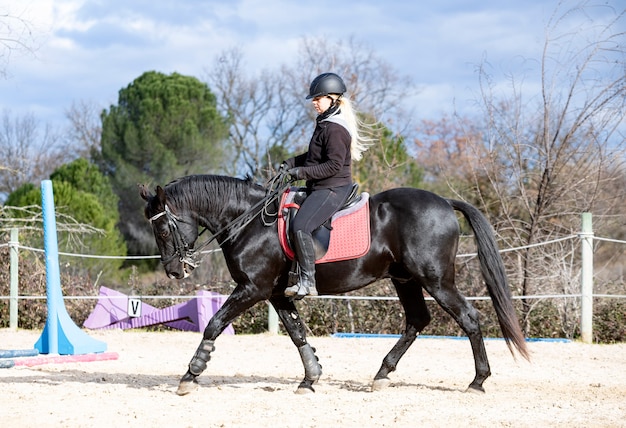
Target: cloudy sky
point(89, 50)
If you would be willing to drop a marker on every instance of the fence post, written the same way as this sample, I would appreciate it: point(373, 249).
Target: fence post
point(586, 315)
point(13, 250)
point(272, 319)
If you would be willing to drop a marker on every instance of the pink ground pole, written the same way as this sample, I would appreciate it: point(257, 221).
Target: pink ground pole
point(60, 359)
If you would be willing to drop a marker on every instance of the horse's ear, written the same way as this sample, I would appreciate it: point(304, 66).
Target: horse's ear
point(160, 194)
point(145, 192)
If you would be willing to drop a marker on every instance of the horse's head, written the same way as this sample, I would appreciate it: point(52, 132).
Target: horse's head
point(175, 231)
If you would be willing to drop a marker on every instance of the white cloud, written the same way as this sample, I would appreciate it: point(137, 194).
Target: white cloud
point(92, 49)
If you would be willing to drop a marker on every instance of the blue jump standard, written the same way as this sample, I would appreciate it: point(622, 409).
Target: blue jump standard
point(60, 335)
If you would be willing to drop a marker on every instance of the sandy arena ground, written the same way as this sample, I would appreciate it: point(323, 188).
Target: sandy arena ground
point(250, 382)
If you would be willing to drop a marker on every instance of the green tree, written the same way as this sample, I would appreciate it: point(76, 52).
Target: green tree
point(163, 127)
point(73, 199)
point(86, 177)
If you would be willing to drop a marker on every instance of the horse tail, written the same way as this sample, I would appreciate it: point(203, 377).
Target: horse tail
point(492, 268)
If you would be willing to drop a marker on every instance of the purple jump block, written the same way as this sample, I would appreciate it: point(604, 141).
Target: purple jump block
point(111, 311)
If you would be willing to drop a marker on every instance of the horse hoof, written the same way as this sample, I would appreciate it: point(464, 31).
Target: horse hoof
point(380, 384)
point(304, 390)
point(185, 388)
point(475, 389)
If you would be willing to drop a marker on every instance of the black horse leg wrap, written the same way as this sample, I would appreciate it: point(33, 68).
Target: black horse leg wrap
point(201, 357)
point(312, 368)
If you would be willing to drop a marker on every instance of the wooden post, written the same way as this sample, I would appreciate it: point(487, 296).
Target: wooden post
point(272, 319)
point(13, 249)
point(586, 313)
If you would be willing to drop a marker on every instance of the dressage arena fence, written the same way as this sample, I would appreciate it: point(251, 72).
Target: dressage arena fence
point(585, 296)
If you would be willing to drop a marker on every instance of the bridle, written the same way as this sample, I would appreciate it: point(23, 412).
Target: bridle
point(182, 249)
point(187, 255)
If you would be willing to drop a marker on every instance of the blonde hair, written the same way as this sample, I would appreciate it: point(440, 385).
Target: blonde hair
point(360, 143)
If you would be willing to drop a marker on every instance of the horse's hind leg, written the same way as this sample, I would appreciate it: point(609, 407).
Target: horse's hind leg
point(417, 317)
point(466, 316)
point(290, 318)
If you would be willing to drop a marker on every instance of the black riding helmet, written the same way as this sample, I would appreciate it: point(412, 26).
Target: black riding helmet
point(326, 83)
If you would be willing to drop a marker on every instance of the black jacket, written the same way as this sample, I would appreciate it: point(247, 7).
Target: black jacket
point(328, 161)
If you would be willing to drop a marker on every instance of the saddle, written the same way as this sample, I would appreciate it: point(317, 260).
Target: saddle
point(344, 236)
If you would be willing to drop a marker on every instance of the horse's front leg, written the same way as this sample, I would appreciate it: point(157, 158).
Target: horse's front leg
point(290, 318)
point(239, 301)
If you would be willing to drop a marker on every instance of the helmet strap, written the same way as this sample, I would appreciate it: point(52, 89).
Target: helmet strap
point(331, 111)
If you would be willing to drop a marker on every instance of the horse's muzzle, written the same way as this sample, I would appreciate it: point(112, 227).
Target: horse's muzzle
point(182, 271)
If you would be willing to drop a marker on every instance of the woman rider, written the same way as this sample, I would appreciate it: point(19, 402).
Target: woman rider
point(327, 169)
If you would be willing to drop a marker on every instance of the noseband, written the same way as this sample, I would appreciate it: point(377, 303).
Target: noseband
point(182, 248)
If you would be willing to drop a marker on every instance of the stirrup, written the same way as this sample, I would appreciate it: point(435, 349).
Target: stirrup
point(298, 291)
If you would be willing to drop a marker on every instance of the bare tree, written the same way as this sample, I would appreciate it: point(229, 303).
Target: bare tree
point(30, 218)
point(29, 151)
point(85, 128)
point(258, 108)
point(540, 162)
point(16, 37)
point(268, 111)
point(375, 86)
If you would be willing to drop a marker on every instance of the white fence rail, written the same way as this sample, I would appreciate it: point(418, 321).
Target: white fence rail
point(586, 295)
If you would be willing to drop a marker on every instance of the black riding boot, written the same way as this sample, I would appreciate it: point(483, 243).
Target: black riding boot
point(305, 252)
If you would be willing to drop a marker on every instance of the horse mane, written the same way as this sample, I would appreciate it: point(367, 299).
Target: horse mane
point(229, 192)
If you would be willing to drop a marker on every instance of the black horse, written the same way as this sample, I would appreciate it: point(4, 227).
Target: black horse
point(414, 236)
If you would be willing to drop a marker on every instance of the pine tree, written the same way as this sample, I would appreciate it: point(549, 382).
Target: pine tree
point(163, 127)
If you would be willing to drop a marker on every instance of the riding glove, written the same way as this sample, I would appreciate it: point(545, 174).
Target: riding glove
point(295, 173)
